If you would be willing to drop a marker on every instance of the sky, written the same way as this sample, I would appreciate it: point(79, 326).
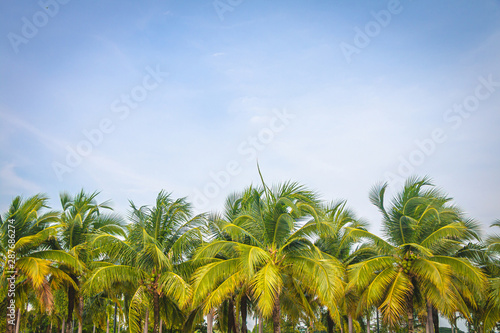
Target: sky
point(132, 97)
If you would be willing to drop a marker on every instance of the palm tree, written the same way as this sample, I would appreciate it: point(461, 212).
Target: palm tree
point(27, 258)
point(411, 269)
point(150, 259)
point(82, 217)
point(341, 244)
point(491, 316)
point(235, 204)
point(271, 251)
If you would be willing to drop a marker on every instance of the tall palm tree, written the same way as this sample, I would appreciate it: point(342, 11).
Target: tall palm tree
point(235, 204)
point(151, 258)
point(271, 251)
point(82, 217)
point(27, 258)
point(491, 316)
point(411, 270)
point(343, 245)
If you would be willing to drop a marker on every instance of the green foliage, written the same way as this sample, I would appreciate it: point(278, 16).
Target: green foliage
point(274, 250)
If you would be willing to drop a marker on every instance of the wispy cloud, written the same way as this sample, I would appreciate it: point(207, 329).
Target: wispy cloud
point(50, 142)
point(14, 184)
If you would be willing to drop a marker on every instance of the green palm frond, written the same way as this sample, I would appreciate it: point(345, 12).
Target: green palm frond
point(252, 258)
point(395, 302)
point(321, 277)
point(187, 243)
point(375, 292)
point(136, 311)
point(34, 240)
point(152, 255)
point(465, 270)
point(211, 250)
point(434, 272)
point(176, 288)
point(223, 291)
point(35, 269)
point(385, 246)
point(266, 287)
point(452, 230)
point(61, 257)
point(239, 233)
point(361, 274)
point(104, 278)
point(207, 277)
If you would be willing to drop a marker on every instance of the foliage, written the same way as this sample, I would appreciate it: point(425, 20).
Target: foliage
point(275, 251)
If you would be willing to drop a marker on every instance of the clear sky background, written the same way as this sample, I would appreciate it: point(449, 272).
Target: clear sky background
point(362, 87)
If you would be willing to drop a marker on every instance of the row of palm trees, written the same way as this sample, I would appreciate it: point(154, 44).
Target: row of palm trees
point(276, 253)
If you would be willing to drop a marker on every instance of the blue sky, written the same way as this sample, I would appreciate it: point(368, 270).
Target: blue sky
point(264, 80)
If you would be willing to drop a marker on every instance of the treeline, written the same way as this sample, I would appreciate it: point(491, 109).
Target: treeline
point(276, 256)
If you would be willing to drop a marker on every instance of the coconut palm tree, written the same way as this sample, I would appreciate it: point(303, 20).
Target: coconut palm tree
point(411, 271)
point(271, 251)
point(343, 245)
point(27, 257)
point(491, 316)
point(151, 258)
point(82, 217)
point(235, 204)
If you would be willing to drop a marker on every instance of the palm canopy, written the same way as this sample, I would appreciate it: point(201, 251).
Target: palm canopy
point(215, 231)
point(33, 231)
point(270, 248)
point(415, 266)
point(151, 258)
point(340, 243)
point(81, 217)
point(491, 315)
point(27, 234)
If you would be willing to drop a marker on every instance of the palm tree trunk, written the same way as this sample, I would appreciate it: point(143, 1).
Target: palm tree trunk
point(261, 324)
point(146, 321)
point(210, 321)
point(411, 319)
point(329, 323)
point(435, 316)
point(80, 312)
point(350, 323)
point(71, 306)
point(107, 324)
point(236, 316)
point(368, 329)
point(63, 325)
point(378, 321)
point(429, 324)
point(277, 316)
point(161, 325)
point(230, 316)
point(156, 313)
point(18, 324)
point(243, 309)
point(114, 318)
